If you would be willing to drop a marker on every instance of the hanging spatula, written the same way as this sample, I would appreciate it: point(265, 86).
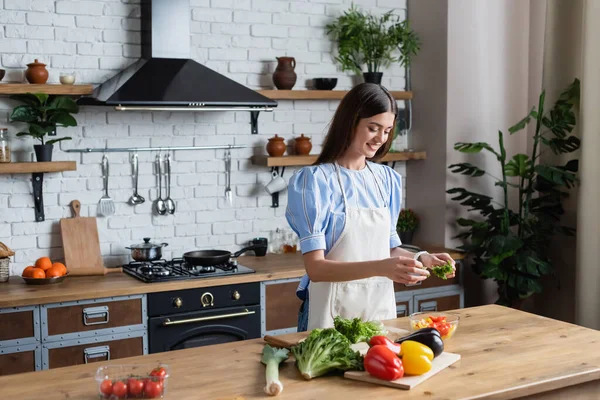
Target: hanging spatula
point(106, 206)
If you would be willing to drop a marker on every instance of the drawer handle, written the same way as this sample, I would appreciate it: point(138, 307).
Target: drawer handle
point(96, 352)
point(401, 310)
point(168, 322)
point(95, 312)
point(428, 306)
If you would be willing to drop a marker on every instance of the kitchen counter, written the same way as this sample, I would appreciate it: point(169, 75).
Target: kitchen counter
point(505, 353)
point(271, 267)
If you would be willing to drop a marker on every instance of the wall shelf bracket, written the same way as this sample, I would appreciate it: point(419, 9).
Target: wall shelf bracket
point(275, 196)
point(254, 122)
point(38, 197)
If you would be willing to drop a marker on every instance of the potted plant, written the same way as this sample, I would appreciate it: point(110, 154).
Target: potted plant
point(508, 245)
point(365, 39)
point(407, 224)
point(44, 114)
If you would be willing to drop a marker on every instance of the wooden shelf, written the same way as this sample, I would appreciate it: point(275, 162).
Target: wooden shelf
point(289, 161)
point(37, 167)
point(320, 94)
point(18, 88)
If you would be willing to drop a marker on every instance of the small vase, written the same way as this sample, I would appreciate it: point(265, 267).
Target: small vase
point(302, 145)
point(43, 152)
point(36, 72)
point(284, 76)
point(276, 147)
point(373, 77)
point(406, 237)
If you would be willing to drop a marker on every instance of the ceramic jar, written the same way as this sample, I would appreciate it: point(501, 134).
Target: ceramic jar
point(276, 147)
point(284, 76)
point(302, 145)
point(36, 72)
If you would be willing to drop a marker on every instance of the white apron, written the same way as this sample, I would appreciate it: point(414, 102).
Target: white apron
point(365, 237)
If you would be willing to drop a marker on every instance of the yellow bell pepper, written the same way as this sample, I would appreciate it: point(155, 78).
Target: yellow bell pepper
point(416, 358)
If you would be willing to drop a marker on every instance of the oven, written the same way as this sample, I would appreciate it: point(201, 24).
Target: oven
point(196, 317)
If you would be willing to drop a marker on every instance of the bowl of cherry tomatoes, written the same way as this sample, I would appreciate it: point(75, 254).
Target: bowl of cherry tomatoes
point(445, 323)
point(132, 381)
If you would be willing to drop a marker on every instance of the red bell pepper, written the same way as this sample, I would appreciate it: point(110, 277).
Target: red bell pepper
point(382, 363)
point(382, 340)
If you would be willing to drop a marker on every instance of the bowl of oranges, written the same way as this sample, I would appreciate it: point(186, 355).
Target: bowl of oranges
point(44, 272)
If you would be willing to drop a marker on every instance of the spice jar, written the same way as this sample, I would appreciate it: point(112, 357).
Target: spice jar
point(4, 146)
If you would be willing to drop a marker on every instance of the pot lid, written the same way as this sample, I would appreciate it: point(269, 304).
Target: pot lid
point(146, 245)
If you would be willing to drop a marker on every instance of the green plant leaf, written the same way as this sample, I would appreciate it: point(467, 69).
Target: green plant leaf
point(63, 119)
point(466, 169)
point(24, 113)
point(560, 146)
point(501, 244)
point(58, 140)
point(518, 166)
point(475, 148)
point(64, 103)
point(508, 184)
point(523, 123)
point(556, 175)
point(27, 98)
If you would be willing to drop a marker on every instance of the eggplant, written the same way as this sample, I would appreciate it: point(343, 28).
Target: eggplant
point(430, 337)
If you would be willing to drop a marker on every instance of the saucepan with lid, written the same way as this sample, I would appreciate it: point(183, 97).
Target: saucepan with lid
point(146, 251)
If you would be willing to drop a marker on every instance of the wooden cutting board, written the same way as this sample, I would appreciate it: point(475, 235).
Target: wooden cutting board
point(81, 244)
point(438, 364)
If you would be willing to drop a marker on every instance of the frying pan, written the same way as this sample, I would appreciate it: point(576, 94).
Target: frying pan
point(214, 257)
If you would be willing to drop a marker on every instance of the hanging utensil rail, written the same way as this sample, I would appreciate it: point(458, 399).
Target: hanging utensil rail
point(167, 148)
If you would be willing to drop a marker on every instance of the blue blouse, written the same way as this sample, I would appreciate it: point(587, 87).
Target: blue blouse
point(315, 208)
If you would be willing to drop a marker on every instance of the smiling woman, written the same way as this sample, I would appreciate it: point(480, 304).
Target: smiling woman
point(344, 210)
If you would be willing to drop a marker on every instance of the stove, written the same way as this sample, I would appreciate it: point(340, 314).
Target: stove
point(178, 269)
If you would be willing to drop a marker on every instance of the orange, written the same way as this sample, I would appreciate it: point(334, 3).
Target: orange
point(38, 273)
point(60, 267)
point(43, 263)
point(27, 272)
point(54, 272)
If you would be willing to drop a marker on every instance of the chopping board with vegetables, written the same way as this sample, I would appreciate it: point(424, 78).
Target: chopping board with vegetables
point(81, 244)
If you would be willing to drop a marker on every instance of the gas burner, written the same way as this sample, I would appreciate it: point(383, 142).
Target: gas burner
point(154, 270)
point(198, 269)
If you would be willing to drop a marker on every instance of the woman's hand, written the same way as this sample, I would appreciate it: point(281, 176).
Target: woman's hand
point(431, 260)
point(403, 270)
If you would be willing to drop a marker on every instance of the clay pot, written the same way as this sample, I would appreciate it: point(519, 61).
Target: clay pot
point(276, 147)
point(302, 145)
point(36, 72)
point(284, 76)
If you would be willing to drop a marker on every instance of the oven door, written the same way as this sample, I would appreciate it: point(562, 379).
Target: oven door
point(203, 328)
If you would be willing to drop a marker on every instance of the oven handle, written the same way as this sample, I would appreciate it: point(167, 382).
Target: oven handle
point(168, 322)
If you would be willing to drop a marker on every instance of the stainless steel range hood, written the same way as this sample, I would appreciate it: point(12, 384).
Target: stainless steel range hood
point(165, 78)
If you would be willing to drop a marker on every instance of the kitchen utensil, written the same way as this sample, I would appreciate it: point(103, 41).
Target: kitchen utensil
point(169, 203)
point(324, 83)
point(228, 192)
point(147, 251)
point(160, 206)
point(277, 184)
point(439, 363)
point(214, 257)
point(44, 281)
point(135, 197)
point(106, 206)
point(81, 244)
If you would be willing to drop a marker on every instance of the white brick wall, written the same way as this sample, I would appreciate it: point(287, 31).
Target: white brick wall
point(96, 38)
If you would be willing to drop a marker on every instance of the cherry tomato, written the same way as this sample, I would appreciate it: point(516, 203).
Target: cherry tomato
point(106, 387)
point(135, 387)
point(119, 389)
point(152, 389)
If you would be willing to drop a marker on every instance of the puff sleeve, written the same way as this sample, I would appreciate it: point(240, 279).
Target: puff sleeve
point(395, 190)
point(309, 199)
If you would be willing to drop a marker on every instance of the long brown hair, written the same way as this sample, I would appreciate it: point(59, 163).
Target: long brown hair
point(363, 101)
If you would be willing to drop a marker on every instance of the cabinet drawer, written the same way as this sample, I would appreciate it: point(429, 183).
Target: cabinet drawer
point(281, 305)
point(438, 302)
point(19, 325)
point(99, 349)
point(431, 282)
point(88, 318)
point(402, 308)
point(16, 360)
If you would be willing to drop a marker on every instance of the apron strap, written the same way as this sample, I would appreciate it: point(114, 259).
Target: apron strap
point(385, 201)
point(337, 171)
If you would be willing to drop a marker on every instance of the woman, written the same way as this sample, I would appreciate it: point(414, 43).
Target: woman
point(344, 209)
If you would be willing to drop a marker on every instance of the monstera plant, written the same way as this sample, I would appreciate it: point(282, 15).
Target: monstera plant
point(43, 114)
point(508, 245)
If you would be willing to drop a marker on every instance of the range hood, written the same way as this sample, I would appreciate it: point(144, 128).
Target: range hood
point(165, 78)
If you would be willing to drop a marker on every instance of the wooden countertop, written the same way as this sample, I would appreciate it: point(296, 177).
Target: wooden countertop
point(271, 267)
point(505, 353)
